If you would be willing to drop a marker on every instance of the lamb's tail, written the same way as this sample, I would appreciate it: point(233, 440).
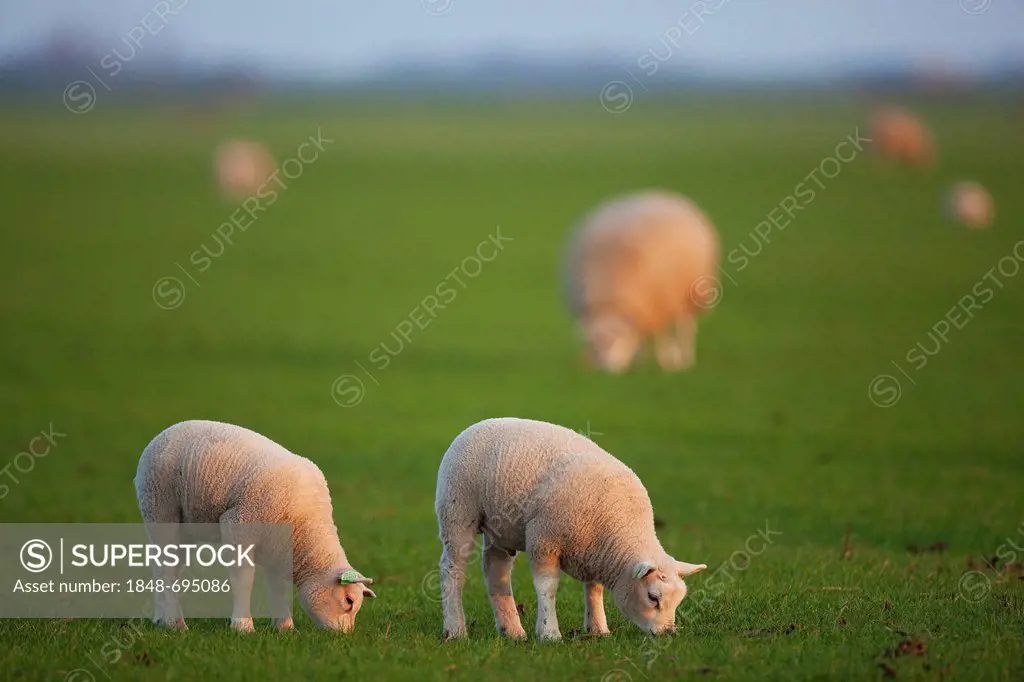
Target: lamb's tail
point(156, 483)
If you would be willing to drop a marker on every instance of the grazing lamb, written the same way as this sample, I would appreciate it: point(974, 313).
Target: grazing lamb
point(533, 486)
point(901, 136)
point(209, 472)
point(642, 266)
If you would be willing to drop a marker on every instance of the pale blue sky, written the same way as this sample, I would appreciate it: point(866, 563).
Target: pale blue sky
point(344, 38)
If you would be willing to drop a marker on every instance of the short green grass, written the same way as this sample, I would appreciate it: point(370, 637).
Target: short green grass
point(774, 426)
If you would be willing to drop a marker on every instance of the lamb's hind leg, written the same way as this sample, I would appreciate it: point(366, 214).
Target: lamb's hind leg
point(158, 504)
point(497, 565)
point(457, 542)
point(166, 607)
point(675, 347)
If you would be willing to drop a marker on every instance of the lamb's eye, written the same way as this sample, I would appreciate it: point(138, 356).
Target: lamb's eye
point(349, 601)
point(654, 598)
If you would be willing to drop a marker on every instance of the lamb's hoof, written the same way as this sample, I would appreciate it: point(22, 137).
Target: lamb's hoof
point(517, 634)
point(591, 632)
point(173, 624)
point(286, 624)
point(242, 625)
point(675, 360)
point(549, 636)
point(450, 635)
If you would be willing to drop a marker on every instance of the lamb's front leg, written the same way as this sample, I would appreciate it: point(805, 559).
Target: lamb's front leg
point(594, 621)
point(498, 576)
point(280, 584)
point(241, 578)
point(545, 580)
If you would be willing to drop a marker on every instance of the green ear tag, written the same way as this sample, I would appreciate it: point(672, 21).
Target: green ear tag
point(349, 577)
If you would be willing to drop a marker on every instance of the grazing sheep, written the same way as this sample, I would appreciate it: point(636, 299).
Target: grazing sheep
point(971, 204)
point(209, 472)
point(638, 267)
point(533, 486)
point(901, 136)
point(242, 167)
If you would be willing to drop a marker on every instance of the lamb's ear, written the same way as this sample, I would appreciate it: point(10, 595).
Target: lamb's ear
point(351, 576)
point(367, 592)
point(686, 569)
point(643, 569)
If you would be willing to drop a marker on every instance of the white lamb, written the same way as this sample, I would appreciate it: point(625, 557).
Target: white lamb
point(210, 472)
point(533, 486)
point(642, 266)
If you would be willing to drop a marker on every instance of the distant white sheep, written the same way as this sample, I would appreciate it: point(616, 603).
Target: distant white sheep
point(900, 135)
point(544, 489)
point(210, 472)
point(971, 204)
point(638, 267)
point(242, 167)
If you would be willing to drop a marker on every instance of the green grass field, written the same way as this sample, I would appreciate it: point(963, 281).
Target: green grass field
point(775, 425)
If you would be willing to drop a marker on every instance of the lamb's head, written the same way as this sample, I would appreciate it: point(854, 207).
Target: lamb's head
point(652, 591)
point(333, 598)
point(611, 341)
